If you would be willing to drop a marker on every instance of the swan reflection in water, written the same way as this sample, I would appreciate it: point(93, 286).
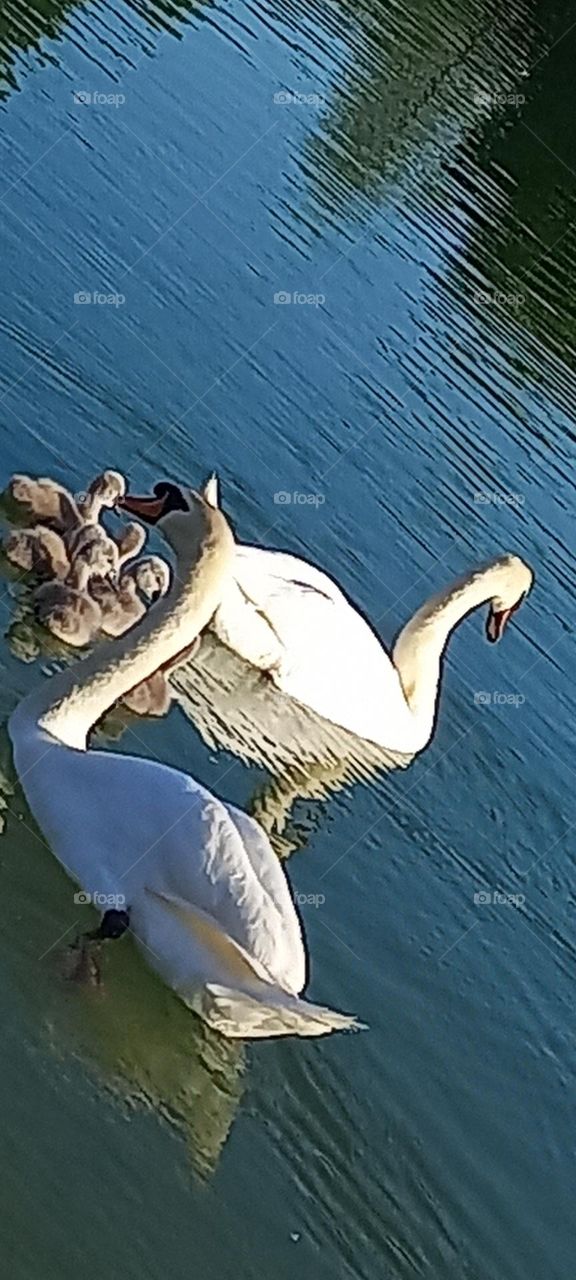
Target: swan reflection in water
point(131, 1034)
point(238, 710)
point(143, 1044)
point(235, 708)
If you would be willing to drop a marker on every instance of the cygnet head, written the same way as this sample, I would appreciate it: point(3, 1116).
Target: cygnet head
point(151, 576)
point(131, 540)
point(108, 488)
point(21, 488)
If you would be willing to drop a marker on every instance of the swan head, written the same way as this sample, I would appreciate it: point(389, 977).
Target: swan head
point(165, 499)
point(515, 581)
point(170, 507)
point(184, 516)
point(113, 925)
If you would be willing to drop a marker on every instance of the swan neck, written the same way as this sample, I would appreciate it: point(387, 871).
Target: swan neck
point(75, 699)
point(418, 650)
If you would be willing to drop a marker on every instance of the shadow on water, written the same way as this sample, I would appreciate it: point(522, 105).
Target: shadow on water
point(437, 1144)
point(524, 238)
point(398, 93)
point(457, 100)
point(131, 1033)
point(24, 33)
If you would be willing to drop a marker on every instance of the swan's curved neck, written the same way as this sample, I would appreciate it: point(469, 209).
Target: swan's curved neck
point(75, 699)
point(418, 650)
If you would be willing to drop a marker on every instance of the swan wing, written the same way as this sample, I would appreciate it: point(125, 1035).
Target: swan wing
point(130, 826)
point(242, 625)
point(226, 869)
point(328, 656)
point(272, 876)
point(269, 589)
point(208, 934)
point(254, 567)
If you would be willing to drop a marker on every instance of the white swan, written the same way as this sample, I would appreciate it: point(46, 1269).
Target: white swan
point(204, 893)
point(288, 618)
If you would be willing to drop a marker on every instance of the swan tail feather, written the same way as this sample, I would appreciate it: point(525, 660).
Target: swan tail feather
point(272, 1012)
point(210, 491)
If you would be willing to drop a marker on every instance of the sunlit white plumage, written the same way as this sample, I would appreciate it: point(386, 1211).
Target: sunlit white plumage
point(288, 618)
point(209, 903)
point(285, 615)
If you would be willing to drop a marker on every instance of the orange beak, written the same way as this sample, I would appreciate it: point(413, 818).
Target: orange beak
point(149, 509)
point(498, 620)
point(496, 624)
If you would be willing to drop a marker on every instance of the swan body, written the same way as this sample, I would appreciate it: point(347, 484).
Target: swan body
point(40, 551)
point(294, 621)
point(119, 603)
point(291, 620)
point(50, 503)
point(69, 614)
point(208, 901)
point(76, 521)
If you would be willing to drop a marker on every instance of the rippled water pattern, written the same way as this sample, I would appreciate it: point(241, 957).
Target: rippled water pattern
point(338, 251)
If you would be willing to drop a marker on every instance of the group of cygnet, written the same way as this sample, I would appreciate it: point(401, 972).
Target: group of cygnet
point(87, 585)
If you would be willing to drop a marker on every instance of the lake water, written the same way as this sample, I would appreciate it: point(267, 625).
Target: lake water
point(408, 172)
